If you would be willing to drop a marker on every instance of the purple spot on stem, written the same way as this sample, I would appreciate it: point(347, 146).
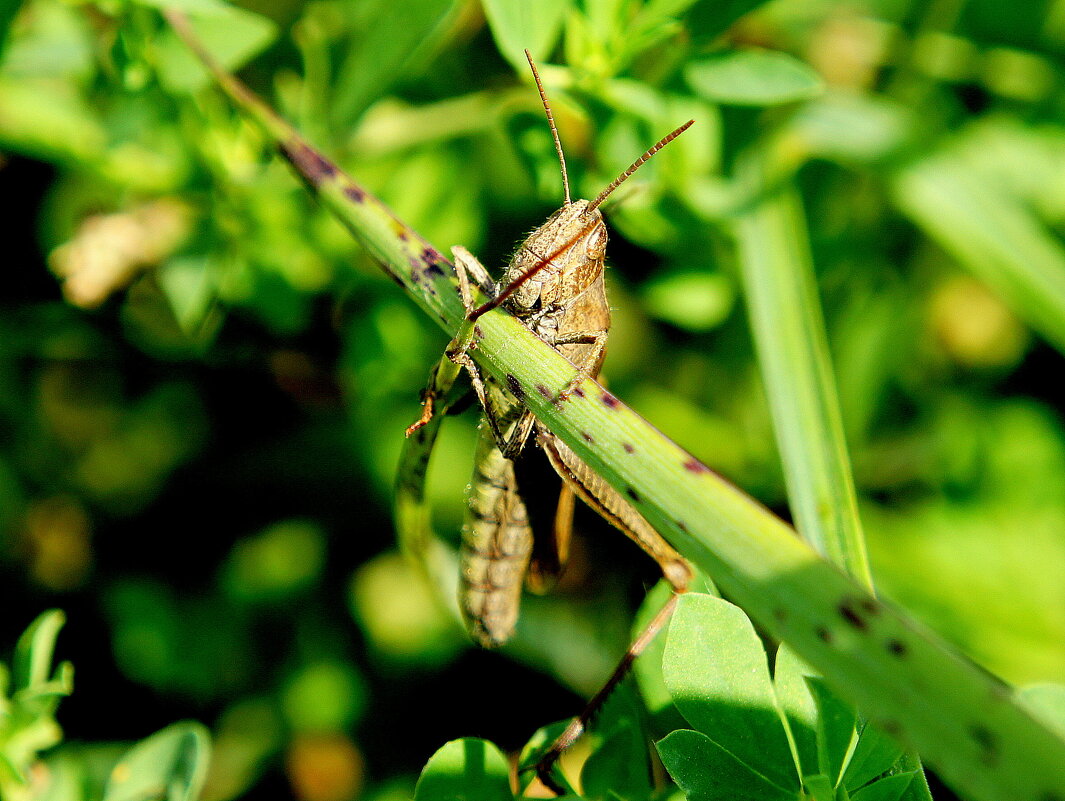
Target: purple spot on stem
point(432, 259)
point(311, 164)
point(515, 387)
point(986, 742)
point(693, 465)
point(849, 612)
point(609, 401)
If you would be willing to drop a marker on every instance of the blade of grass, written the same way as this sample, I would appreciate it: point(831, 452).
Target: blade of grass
point(789, 334)
point(903, 676)
point(991, 234)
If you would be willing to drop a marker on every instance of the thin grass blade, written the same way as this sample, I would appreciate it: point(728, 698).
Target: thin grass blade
point(789, 334)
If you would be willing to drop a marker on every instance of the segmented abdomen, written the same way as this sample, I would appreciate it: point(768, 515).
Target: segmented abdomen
point(496, 544)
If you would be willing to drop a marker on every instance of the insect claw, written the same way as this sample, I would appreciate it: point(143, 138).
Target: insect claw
point(427, 413)
point(543, 773)
point(578, 378)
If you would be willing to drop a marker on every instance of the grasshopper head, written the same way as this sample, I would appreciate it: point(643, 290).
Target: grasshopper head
point(576, 233)
point(560, 259)
point(564, 256)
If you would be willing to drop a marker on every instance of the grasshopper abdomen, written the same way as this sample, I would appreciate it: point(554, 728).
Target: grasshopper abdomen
point(497, 543)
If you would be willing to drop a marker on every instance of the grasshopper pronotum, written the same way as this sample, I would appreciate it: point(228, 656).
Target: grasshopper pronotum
point(555, 285)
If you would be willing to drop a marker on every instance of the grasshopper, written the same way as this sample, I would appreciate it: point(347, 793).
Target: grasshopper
point(555, 285)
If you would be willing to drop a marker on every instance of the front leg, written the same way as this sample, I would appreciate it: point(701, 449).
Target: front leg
point(455, 356)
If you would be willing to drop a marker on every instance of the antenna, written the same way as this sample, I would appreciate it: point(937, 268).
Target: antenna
point(661, 143)
point(551, 122)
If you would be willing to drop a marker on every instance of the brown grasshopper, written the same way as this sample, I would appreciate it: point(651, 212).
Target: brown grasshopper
point(555, 285)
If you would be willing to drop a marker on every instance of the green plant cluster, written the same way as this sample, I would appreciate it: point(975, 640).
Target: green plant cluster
point(171, 763)
point(204, 381)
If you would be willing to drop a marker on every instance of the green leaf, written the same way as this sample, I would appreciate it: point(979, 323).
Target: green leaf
point(392, 45)
point(231, 34)
point(192, 7)
point(753, 78)
point(715, 667)
point(619, 767)
point(992, 234)
point(465, 770)
point(8, 12)
point(1047, 703)
point(517, 26)
point(798, 706)
point(890, 788)
point(606, 16)
point(705, 771)
point(693, 301)
point(33, 653)
point(835, 729)
point(819, 787)
point(784, 308)
point(324, 695)
point(708, 19)
point(535, 749)
point(53, 40)
point(58, 126)
point(657, 10)
point(875, 754)
point(170, 764)
point(187, 282)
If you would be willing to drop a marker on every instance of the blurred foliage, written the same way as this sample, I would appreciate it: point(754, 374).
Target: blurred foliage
point(170, 764)
point(204, 382)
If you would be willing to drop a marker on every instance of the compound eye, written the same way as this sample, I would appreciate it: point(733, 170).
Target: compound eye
point(596, 245)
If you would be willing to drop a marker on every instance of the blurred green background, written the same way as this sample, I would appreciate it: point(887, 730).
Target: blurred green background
point(204, 381)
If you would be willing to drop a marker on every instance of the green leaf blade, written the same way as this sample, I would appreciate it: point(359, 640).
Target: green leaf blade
point(171, 763)
point(465, 770)
point(519, 26)
point(395, 44)
point(715, 667)
point(874, 755)
point(231, 34)
point(890, 788)
point(792, 347)
point(991, 234)
point(753, 78)
point(835, 730)
point(707, 772)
